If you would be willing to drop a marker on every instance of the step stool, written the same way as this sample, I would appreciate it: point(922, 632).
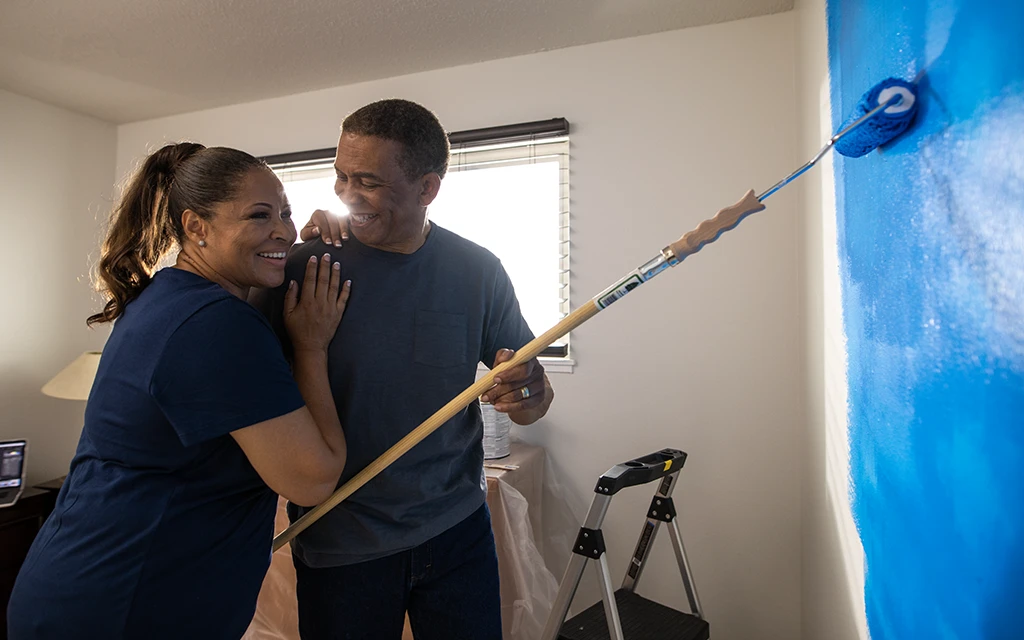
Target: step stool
point(625, 615)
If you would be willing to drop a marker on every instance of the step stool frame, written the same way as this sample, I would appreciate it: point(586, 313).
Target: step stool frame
point(663, 465)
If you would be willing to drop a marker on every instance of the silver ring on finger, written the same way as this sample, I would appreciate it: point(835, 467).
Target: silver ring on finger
point(526, 392)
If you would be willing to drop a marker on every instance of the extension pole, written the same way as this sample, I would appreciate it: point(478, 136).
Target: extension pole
point(708, 231)
point(898, 100)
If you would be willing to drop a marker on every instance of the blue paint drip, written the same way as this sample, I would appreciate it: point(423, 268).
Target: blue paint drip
point(931, 248)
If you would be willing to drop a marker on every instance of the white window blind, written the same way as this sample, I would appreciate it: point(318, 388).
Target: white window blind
point(507, 189)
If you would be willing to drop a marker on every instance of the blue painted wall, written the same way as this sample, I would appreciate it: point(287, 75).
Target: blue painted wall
point(931, 246)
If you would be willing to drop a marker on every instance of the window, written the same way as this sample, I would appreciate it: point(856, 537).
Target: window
point(507, 189)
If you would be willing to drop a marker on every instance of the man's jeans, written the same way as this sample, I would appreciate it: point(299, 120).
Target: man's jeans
point(449, 586)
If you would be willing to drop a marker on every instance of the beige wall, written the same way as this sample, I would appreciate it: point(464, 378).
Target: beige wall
point(56, 180)
point(708, 358)
point(832, 573)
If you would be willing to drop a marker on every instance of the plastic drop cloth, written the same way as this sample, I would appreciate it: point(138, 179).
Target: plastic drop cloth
point(528, 588)
point(531, 522)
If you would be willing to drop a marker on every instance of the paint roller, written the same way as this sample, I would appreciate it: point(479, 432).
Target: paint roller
point(883, 113)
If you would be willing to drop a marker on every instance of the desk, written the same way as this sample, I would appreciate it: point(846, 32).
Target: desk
point(527, 587)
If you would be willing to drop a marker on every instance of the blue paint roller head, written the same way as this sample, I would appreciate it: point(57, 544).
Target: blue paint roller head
point(883, 126)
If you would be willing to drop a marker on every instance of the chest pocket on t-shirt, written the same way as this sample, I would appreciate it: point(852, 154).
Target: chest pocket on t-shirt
point(440, 339)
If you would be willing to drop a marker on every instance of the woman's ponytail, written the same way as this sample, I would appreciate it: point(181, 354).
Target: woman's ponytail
point(141, 231)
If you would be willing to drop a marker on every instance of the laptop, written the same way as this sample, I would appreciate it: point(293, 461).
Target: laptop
point(12, 471)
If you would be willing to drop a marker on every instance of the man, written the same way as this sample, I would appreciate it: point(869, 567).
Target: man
point(425, 307)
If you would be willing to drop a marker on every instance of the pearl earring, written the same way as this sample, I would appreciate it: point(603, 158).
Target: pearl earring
point(202, 243)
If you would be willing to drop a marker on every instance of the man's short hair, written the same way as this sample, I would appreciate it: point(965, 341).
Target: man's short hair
point(413, 126)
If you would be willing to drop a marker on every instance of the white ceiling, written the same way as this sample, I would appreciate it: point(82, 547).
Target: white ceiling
point(127, 60)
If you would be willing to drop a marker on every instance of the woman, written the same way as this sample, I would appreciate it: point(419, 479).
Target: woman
point(163, 527)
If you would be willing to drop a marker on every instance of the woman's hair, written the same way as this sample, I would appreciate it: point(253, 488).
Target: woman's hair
point(146, 224)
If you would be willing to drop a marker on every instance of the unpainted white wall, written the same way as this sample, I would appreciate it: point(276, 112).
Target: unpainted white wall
point(56, 186)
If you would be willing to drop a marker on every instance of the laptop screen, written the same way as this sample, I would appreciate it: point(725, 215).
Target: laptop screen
point(12, 463)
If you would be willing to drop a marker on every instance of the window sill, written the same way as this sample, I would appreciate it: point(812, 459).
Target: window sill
point(551, 365)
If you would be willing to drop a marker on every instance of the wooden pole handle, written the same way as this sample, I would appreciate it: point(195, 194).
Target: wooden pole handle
point(531, 350)
point(709, 230)
point(692, 242)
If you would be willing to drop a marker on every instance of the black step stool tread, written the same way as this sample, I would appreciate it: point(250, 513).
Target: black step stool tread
point(641, 619)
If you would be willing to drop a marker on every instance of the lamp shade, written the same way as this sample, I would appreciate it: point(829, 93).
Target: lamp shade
point(74, 382)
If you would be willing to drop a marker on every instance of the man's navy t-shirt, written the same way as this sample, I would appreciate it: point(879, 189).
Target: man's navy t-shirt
point(414, 330)
point(163, 529)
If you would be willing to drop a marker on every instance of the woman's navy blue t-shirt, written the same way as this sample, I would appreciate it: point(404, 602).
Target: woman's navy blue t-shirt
point(163, 529)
